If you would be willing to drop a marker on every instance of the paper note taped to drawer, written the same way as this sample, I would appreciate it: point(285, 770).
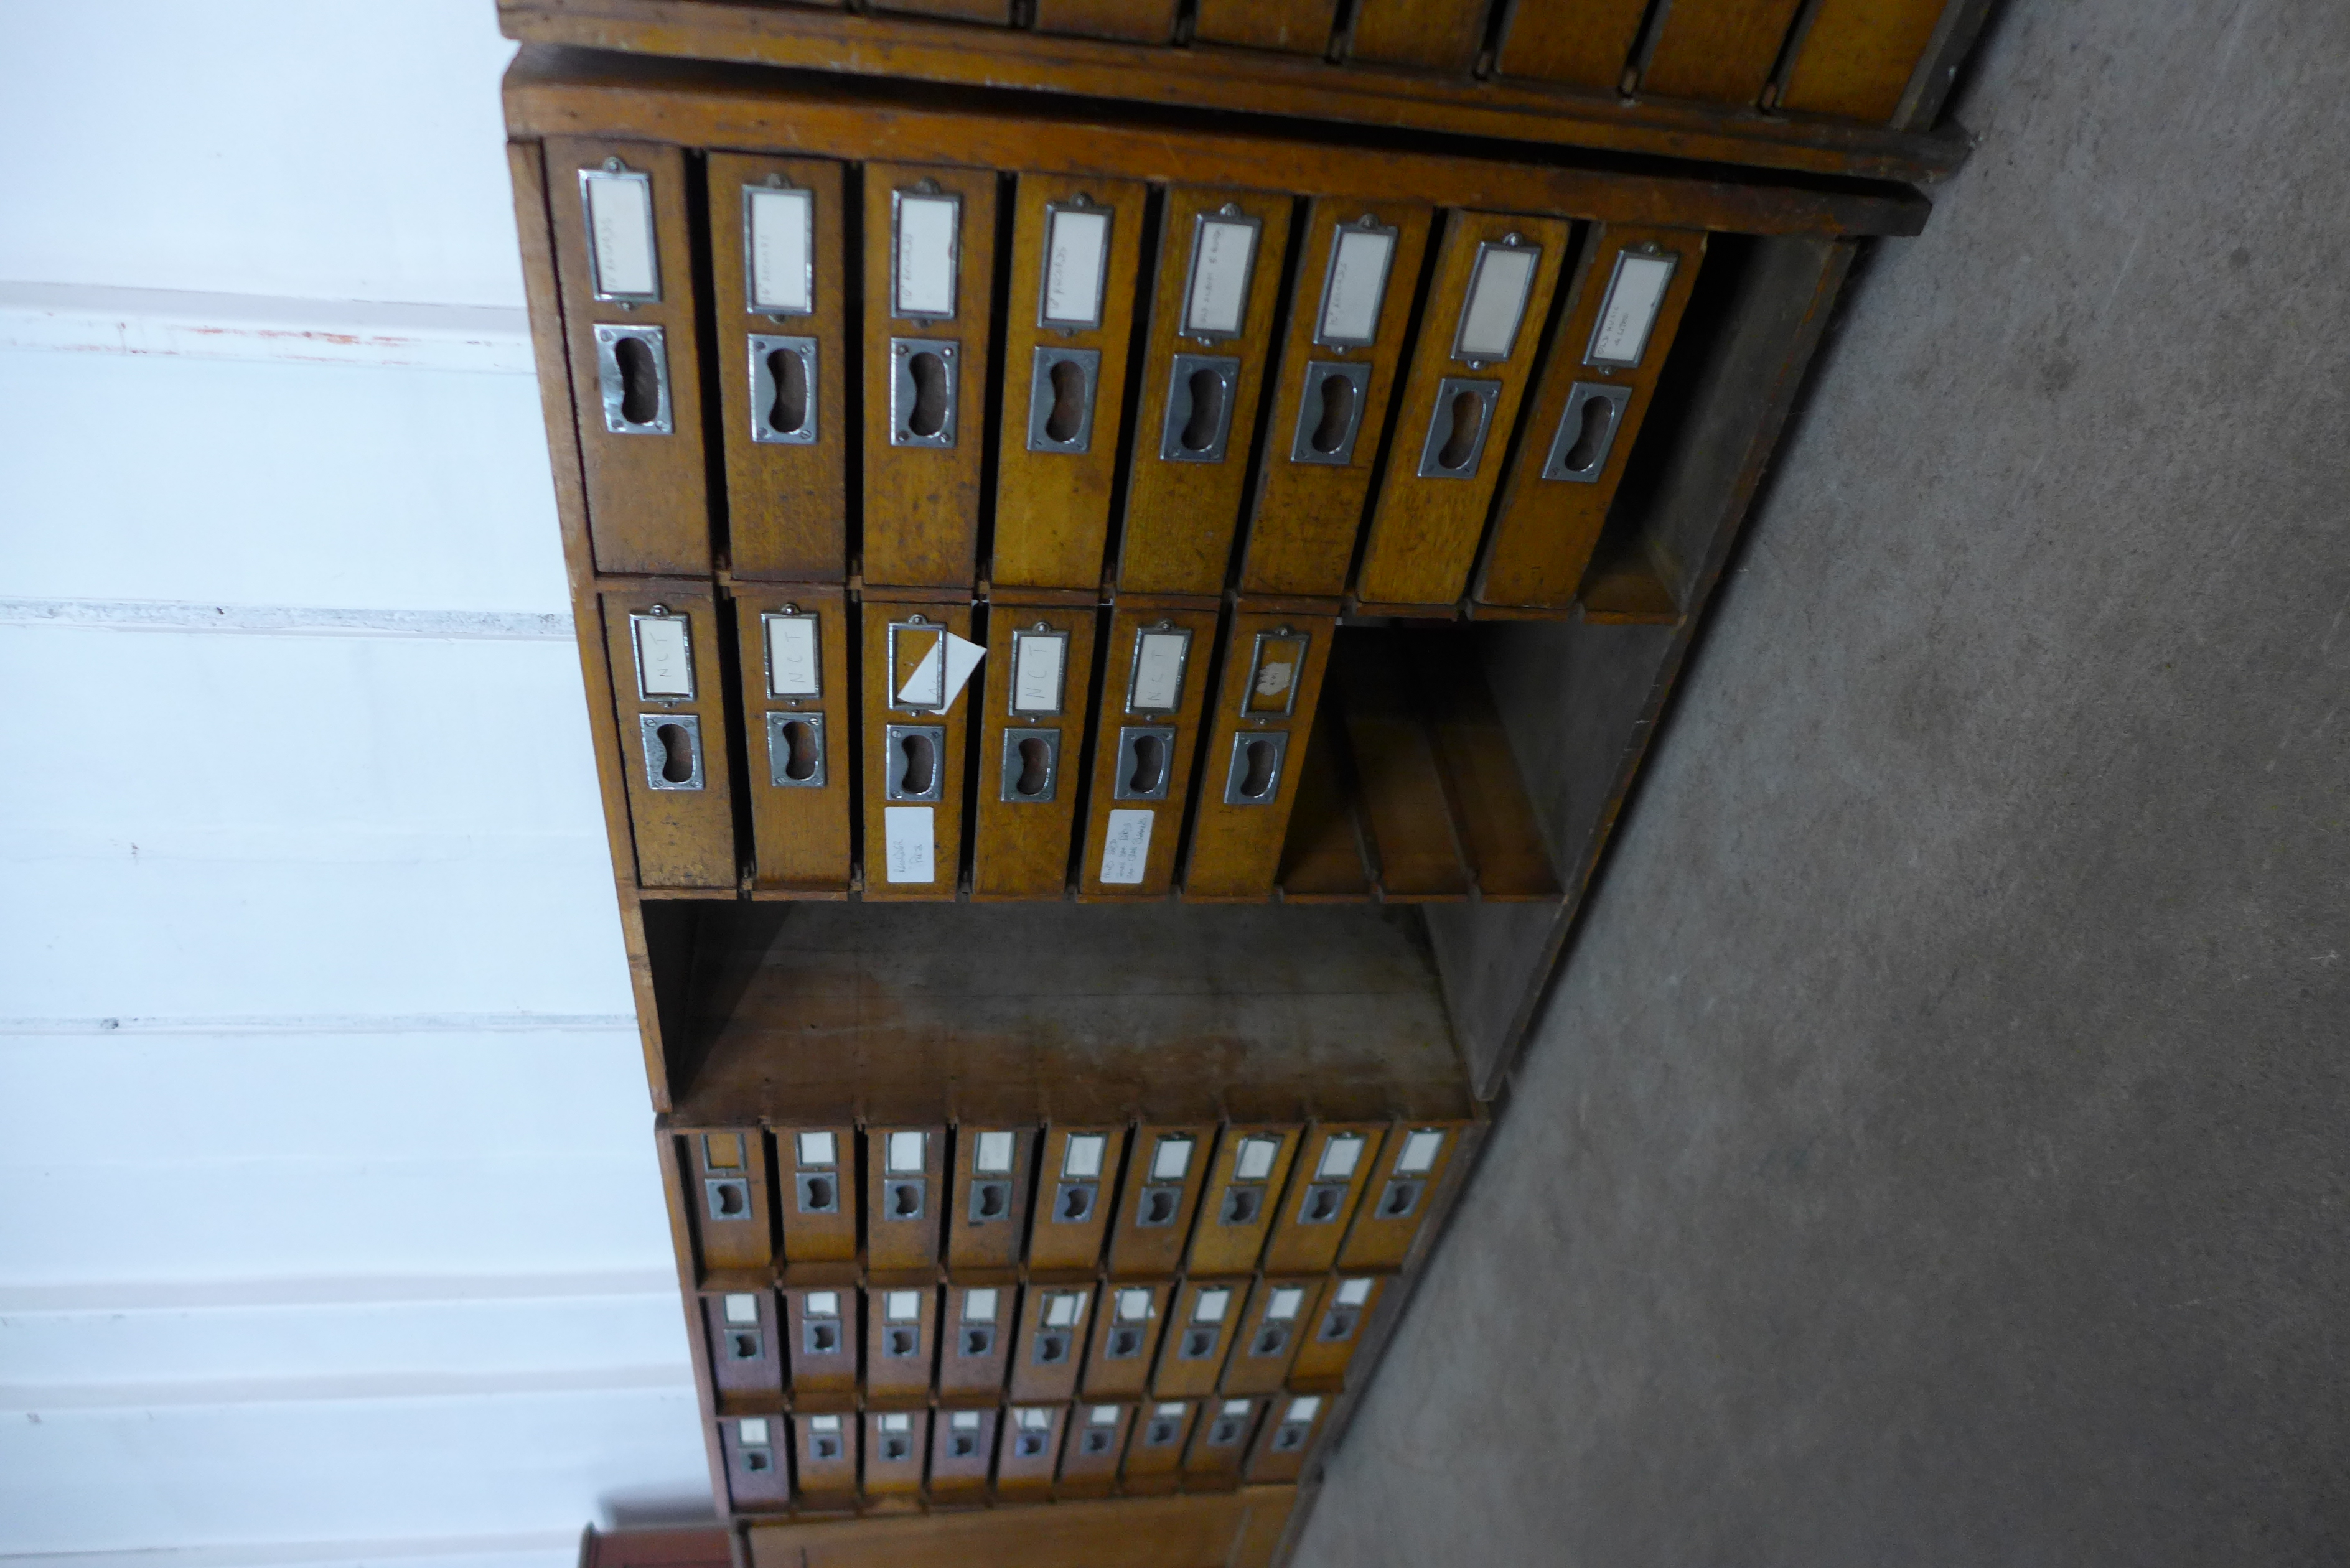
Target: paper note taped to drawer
point(1126, 849)
point(907, 832)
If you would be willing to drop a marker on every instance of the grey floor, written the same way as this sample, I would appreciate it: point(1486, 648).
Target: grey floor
point(1939, 1148)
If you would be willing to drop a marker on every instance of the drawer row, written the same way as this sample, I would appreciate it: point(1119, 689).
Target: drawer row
point(1167, 1339)
point(833, 1461)
point(1143, 1200)
point(1451, 396)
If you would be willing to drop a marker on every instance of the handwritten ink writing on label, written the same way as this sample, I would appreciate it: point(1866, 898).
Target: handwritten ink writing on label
point(911, 846)
point(1077, 254)
point(1126, 851)
point(1220, 276)
point(1632, 304)
point(664, 658)
point(1037, 674)
point(621, 212)
point(1159, 672)
point(1359, 279)
point(792, 660)
point(783, 232)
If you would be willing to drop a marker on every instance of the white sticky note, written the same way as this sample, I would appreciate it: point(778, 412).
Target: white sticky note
point(621, 228)
point(794, 668)
point(1284, 1304)
point(1338, 1157)
point(979, 1306)
point(1159, 672)
point(1354, 1293)
point(782, 247)
point(815, 1149)
point(993, 1155)
point(1171, 1159)
point(1126, 848)
point(1255, 1160)
point(1133, 1306)
point(907, 843)
point(1211, 1305)
point(822, 1303)
point(938, 678)
point(1082, 1160)
point(1220, 276)
point(1037, 671)
point(908, 1151)
point(1634, 297)
point(927, 229)
point(962, 657)
point(753, 1430)
point(901, 1306)
point(664, 657)
point(742, 1308)
point(1418, 1156)
point(1496, 303)
point(1077, 257)
point(1358, 283)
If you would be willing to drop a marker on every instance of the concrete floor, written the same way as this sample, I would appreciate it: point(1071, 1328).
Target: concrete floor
point(1939, 1147)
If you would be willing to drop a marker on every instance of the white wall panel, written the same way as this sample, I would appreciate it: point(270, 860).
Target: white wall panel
point(246, 482)
point(336, 152)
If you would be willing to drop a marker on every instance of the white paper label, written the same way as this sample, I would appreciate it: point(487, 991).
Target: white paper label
point(1159, 672)
point(979, 1306)
point(926, 254)
point(742, 1309)
point(897, 1422)
point(1255, 1161)
point(1037, 671)
point(993, 1157)
point(1497, 299)
point(938, 678)
point(783, 245)
point(1102, 1415)
point(664, 658)
point(1082, 1160)
point(793, 663)
point(1418, 1156)
point(1133, 1306)
point(1284, 1306)
point(822, 1303)
point(1061, 1310)
point(1210, 1307)
point(964, 1421)
point(907, 1153)
point(815, 1149)
point(1273, 678)
point(1220, 276)
point(620, 227)
point(1622, 336)
point(1338, 1157)
point(1236, 1407)
point(1358, 281)
point(1168, 1412)
point(901, 1306)
point(824, 1423)
point(1076, 255)
point(1126, 853)
point(753, 1429)
point(906, 834)
point(1034, 1420)
point(925, 685)
point(1305, 1408)
point(1171, 1159)
point(1354, 1293)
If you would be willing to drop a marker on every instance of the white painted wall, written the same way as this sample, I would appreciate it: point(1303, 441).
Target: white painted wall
point(329, 1227)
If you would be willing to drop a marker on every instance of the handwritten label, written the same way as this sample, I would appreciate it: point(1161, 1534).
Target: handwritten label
point(1076, 256)
point(783, 249)
point(621, 229)
point(664, 658)
point(794, 667)
point(927, 229)
point(1218, 297)
point(1633, 299)
point(1496, 303)
point(1159, 672)
point(1037, 671)
point(1126, 853)
point(1358, 283)
point(906, 832)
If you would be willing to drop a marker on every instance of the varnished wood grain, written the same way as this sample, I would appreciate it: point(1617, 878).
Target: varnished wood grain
point(1577, 43)
point(1138, 1251)
point(1221, 1244)
point(1151, 1470)
point(1287, 27)
point(954, 1479)
point(1491, 808)
point(727, 1153)
point(1020, 849)
point(976, 1244)
point(1268, 1463)
point(1090, 1468)
point(965, 1379)
point(1433, 34)
point(1545, 530)
point(1127, 620)
point(1125, 1377)
point(554, 94)
point(1041, 1381)
point(768, 1490)
point(1424, 532)
point(904, 1242)
point(1055, 1240)
point(879, 714)
point(1052, 508)
point(1236, 848)
point(814, 1236)
point(1264, 1348)
point(1858, 57)
point(886, 1478)
point(1029, 1478)
point(922, 503)
point(1717, 50)
point(743, 1385)
point(997, 13)
point(827, 1482)
point(1177, 534)
point(786, 504)
point(1306, 515)
point(1211, 76)
point(799, 835)
point(1139, 21)
point(1322, 857)
point(647, 504)
point(1299, 1245)
point(1401, 790)
point(1378, 1240)
point(1231, 1530)
point(1209, 1466)
point(1179, 1376)
point(684, 838)
point(1321, 1364)
point(899, 1382)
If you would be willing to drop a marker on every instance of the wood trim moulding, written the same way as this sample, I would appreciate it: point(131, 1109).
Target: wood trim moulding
point(561, 92)
point(1206, 75)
